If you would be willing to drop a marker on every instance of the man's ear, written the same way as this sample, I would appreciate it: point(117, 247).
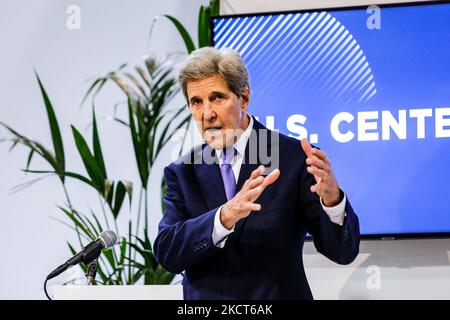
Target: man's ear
point(245, 98)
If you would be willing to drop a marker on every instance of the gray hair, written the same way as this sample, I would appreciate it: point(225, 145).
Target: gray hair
point(209, 61)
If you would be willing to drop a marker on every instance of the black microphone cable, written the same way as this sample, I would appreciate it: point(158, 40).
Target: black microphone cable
point(45, 289)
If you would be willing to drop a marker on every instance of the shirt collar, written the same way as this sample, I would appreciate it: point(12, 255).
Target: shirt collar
point(241, 143)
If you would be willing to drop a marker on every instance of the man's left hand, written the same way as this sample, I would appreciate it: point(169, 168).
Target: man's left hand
point(319, 166)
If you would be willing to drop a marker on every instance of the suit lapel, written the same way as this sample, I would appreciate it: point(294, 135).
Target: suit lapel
point(251, 162)
point(252, 154)
point(248, 164)
point(209, 178)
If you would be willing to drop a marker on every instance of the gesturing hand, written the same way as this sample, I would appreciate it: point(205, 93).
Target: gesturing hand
point(243, 202)
point(319, 165)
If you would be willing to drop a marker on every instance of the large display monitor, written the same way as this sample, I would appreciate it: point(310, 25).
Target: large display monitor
point(371, 87)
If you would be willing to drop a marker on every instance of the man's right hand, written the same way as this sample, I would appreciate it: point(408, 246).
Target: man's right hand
point(243, 202)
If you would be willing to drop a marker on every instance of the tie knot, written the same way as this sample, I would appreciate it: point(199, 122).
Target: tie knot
point(228, 155)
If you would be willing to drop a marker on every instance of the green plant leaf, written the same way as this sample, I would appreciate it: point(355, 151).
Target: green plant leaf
point(138, 84)
point(129, 250)
point(99, 226)
point(129, 189)
point(24, 185)
point(54, 128)
point(163, 194)
point(118, 198)
point(139, 147)
point(98, 154)
point(202, 31)
point(34, 145)
point(214, 6)
point(150, 63)
point(30, 157)
point(110, 198)
point(79, 223)
point(109, 191)
point(164, 138)
point(67, 174)
point(98, 83)
point(15, 141)
point(123, 85)
point(208, 33)
point(123, 250)
point(89, 161)
point(183, 33)
point(162, 276)
point(88, 223)
point(108, 253)
point(144, 76)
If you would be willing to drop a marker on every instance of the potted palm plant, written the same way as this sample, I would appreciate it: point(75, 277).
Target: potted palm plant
point(149, 91)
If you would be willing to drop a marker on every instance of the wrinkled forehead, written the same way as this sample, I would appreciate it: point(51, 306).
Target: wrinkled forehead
point(207, 85)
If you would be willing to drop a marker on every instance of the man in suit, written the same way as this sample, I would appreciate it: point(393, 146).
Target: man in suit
point(235, 230)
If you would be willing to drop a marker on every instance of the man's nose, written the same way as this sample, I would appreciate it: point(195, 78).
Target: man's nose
point(208, 112)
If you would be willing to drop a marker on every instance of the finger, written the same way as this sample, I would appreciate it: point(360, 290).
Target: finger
point(255, 182)
point(253, 194)
point(250, 206)
point(317, 188)
point(319, 154)
point(306, 146)
point(318, 173)
point(256, 173)
point(321, 188)
point(316, 162)
point(271, 178)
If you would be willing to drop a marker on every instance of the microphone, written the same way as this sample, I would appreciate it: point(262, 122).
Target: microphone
point(89, 253)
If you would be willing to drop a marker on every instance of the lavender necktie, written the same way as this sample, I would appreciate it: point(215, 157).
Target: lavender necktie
point(229, 182)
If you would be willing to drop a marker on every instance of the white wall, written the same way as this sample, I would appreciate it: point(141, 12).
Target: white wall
point(400, 269)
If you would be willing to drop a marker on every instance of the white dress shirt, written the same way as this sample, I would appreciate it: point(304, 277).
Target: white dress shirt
point(220, 233)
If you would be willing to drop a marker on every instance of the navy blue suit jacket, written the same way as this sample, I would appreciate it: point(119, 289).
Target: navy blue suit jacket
point(262, 258)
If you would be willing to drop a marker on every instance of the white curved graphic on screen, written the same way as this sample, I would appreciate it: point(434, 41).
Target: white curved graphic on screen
point(310, 49)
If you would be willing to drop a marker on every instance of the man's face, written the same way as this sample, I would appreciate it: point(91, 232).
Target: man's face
point(219, 113)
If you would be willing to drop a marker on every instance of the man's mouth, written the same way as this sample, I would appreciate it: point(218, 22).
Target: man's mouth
point(213, 130)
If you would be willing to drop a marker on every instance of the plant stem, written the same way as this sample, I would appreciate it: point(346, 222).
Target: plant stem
point(104, 212)
point(146, 208)
point(139, 213)
point(72, 210)
point(129, 252)
point(102, 205)
point(137, 228)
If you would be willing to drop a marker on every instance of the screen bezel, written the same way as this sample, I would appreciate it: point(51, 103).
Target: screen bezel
point(378, 236)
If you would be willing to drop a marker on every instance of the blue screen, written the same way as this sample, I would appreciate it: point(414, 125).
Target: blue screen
point(370, 87)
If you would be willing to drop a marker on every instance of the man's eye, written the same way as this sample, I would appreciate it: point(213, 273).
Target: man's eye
point(217, 97)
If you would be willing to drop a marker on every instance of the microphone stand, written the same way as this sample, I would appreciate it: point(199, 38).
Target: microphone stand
point(91, 272)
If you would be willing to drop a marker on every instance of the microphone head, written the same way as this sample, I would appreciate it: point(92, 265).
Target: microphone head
point(108, 237)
